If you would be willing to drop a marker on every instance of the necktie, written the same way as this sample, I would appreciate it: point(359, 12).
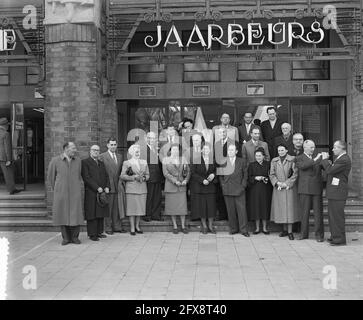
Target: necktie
point(114, 158)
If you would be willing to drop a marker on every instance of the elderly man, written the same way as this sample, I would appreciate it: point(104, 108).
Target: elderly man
point(297, 141)
point(310, 189)
point(154, 184)
point(337, 190)
point(286, 139)
point(249, 148)
point(113, 164)
point(64, 177)
point(6, 157)
point(271, 129)
point(97, 185)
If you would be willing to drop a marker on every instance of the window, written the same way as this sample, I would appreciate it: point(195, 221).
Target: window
point(4, 76)
point(310, 69)
point(32, 75)
point(145, 73)
point(200, 71)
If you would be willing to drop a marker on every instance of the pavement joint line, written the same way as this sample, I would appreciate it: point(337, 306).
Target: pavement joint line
point(35, 248)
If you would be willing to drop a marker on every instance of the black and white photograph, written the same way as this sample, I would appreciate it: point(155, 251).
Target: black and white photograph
point(190, 151)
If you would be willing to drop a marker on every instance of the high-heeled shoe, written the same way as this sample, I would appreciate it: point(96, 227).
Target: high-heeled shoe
point(256, 232)
point(139, 231)
point(204, 230)
point(212, 230)
point(133, 233)
point(266, 232)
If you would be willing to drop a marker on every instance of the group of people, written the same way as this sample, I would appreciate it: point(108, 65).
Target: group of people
point(248, 173)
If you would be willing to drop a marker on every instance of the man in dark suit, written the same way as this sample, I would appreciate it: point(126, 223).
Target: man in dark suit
point(337, 190)
point(310, 189)
point(6, 157)
point(113, 163)
point(249, 148)
point(233, 180)
point(271, 129)
point(97, 184)
point(297, 141)
point(285, 139)
point(154, 184)
point(245, 129)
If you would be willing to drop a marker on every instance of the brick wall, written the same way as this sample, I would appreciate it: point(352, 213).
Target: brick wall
point(75, 109)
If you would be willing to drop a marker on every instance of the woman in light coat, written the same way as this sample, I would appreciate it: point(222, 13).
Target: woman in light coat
point(135, 172)
point(283, 175)
point(177, 173)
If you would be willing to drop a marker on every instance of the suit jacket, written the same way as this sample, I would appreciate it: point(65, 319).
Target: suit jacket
point(133, 186)
point(232, 132)
point(199, 173)
point(220, 151)
point(339, 169)
point(94, 176)
point(154, 164)
point(243, 134)
point(269, 134)
point(234, 180)
point(113, 169)
point(310, 177)
point(248, 151)
point(281, 140)
point(174, 173)
point(5, 146)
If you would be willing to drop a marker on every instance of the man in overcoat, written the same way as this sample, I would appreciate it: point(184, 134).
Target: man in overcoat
point(113, 164)
point(337, 191)
point(96, 187)
point(64, 177)
point(310, 190)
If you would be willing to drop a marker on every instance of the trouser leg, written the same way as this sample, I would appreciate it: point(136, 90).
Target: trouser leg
point(8, 173)
point(74, 232)
point(337, 220)
point(65, 233)
point(92, 227)
point(232, 214)
point(240, 203)
point(305, 204)
point(318, 216)
point(100, 225)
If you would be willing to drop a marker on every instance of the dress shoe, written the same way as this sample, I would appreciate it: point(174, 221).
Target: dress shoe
point(184, 230)
point(109, 233)
point(256, 232)
point(120, 231)
point(147, 219)
point(266, 232)
point(101, 235)
point(283, 234)
point(246, 234)
point(329, 239)
point(15, 191)
point(94, 238)
point(175, 231)
point(65, 242)
point(300, 237)
point(139, 231)
point(233, 232)
point(320, 239)
point(76, 241)
point(338, 243)
point(291, 236)
point(133, 233)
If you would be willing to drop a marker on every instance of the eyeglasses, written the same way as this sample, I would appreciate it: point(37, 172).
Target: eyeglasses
point(98, 150)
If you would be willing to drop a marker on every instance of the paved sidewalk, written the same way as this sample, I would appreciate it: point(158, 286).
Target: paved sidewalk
point(194, 266)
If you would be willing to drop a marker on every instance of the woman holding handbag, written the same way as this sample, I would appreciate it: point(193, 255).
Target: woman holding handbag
point(283, 175)
point(135, 172)
point(177, 173)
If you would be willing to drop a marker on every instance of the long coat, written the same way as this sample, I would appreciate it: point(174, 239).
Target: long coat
point(5, 145)
point(259, 193)
point(116, 184)
point(94, 176)
point(284, 206)
point(66, 181)
point(269, 134)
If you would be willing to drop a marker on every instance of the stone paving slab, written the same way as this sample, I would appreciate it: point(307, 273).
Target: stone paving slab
point(161, 266)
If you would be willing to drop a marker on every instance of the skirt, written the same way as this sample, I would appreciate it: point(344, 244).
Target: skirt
point(204, 205)
point(135, 204)
point(176, 204)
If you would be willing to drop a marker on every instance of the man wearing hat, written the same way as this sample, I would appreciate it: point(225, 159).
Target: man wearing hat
point(97, 188)
point(6, 156)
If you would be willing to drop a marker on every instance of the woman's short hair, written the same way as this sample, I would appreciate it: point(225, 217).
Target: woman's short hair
point(132, 148)
point(260, 150)
point(282, 145)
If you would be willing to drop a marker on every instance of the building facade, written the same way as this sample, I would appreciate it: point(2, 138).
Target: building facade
point(102, 68)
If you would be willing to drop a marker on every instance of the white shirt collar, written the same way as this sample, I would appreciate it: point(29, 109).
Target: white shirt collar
point(307, 155)
point(112, 154)
point(340, 155)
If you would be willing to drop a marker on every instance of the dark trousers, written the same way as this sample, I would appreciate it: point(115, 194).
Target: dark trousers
point(70, 233)
point(337, 220)
point(306, 201)
point(8, 173)
point(113, 221)
point(221, 204)
point(237, 214)
point(153, 201)
point(94, 227)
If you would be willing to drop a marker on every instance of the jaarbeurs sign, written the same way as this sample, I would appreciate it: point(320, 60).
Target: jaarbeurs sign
point(236, 35)
point(7, 39)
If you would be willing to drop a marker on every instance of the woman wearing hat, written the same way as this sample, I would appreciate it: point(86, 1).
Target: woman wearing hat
point(135, 172)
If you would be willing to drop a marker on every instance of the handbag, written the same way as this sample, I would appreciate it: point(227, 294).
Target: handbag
point(102, 199)
point(129, 171)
